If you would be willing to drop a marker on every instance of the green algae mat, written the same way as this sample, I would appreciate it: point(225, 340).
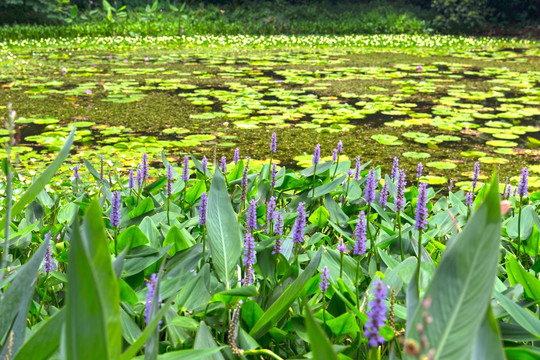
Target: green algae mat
point(444, 101)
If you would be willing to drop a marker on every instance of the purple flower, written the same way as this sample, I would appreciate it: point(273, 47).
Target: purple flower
point(202, 209)
point(399, 199)
point(249, 257)
point(270, 209)
point(469, 198)
point(185, 170)
point(251, 223)
point(369, 191)
point(131, 181)
point(88, 92)
point(169, 175)
point(151, 286)
point(508, 191)
point(341, 246)
point(395, 169)
point(476, 173)
point(140, 175)
point(383, 197)
point(339, 146)
point(376, 314)
point(144, 166)
point(523, 182)
point(323, 285)
point(359, 235)
point(317, 155)
point(236, 157)
point(76, 172)
point(204, 164)
point(419, 68)
point(300, 224)
point(278, 230)
point(419, 169)
point(48, 262)
point(273, 143)
point(273, 174)
point(450, 185)
point(421, 208)
point(357, 169)
point(115, 209)
point(334, 155)
point(223, 164)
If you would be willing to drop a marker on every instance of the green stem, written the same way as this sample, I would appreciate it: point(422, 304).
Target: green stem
point(168, 210)
point(341, 267)
point(519, 229)
point(314, 175)
point(116, 240)
point(204, 243)
point(262, 352)
point(400, 235)
point(335, 170)
point(9, 195)
point(356, 281)
point(419, 261)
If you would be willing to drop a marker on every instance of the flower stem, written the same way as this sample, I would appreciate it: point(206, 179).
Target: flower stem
point(419, 261)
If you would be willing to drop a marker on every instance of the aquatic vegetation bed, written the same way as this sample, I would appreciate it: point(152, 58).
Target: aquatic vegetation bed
point(213, 259)
point(450, 101)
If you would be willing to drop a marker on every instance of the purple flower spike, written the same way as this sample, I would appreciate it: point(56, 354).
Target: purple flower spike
point(359, 235)
point(278, 231)
point(151, 285)
point(76, 172)
point(419, 169)
point(236, 157)
point(523, 182)
point(270, 209)
point(273, 174)
point(144, 167)
point(115, 209)
point(323, 285)
point(317, 154)
point(421, 209)
point(251, 223)
point(469, 198)
point(376, 315)
point(223, 164)
point(341, 246)
point(508, 191)
point(249, 258)
point(334, 155)
point(399, 199)
point(357, 169)
point(450, 185)
point(339, 146)
point(185, 170)
point(476, 173)
point(131, 182)
point(300, 224)
point(170, 179)
point(383, 197)
point(140, 176)
point(369, 191)
point(202, 209)
point(395, 169)
point(204, 164)
point(273, 143)
point(48, 262)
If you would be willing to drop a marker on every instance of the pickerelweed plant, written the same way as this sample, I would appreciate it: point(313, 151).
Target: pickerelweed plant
point(304, 267)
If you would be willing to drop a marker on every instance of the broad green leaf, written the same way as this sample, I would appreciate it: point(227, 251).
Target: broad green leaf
point(343, 325)
point(518, 275)
point(176, 239)
point(328, 187)
point(524, 318)
point(45, 340)
point(522, 353)
point(204, 340)
point(463, 283)
point(488, 344)
point(21, 288)
point(132, 236)
point(39, 184)
point(224, 234)
point(142, 208)
point(276, 311)
point(320, 345)
point(319, 217)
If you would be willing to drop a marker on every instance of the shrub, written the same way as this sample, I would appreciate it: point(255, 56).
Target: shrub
point(459, 15)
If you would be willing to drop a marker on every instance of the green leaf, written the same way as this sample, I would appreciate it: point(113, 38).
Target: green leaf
point(522, 353)
point(328, 187)
point(518, 275)
point(463, 283)
point(343, 325)
point(488, 344)
point(224, 234)
point(21, 288)
point(39, 184)
point(204, 340)
point(276, 311)
point(177, 239)
point(45, 340)
point(132, 236)
point(194, 193)
point(524, 318)
point(192, 354)
point(319, 217)
point(142, 208)
point(320, 345)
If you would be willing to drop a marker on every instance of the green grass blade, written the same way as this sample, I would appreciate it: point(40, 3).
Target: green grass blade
point(44, 341)
point(320, 345)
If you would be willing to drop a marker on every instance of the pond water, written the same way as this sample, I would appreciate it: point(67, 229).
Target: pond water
point(446, 106)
